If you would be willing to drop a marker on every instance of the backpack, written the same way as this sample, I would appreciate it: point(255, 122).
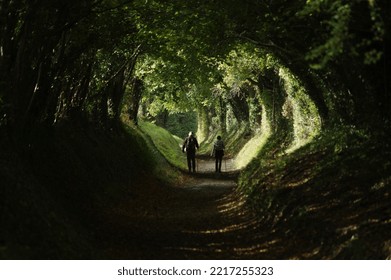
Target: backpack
point(191, 144)
point(219, 145)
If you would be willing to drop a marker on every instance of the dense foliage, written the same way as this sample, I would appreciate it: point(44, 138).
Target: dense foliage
point(291, 78)
point(66, 59)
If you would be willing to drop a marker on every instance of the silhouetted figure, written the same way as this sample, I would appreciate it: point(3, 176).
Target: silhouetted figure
point(190, 145)
point(218, 152)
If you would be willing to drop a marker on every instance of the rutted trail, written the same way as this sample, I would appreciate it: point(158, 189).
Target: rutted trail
point(203, 219)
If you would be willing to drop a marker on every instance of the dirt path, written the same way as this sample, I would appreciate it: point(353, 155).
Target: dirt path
point(203, 219)
point(208, 166)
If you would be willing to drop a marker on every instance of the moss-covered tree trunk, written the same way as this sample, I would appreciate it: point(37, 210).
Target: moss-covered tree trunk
point(203, 123)
point(272, 96)
point(240, 108)
point(222, 115)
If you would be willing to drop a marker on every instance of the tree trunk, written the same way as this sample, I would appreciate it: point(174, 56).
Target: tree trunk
point(162, 118)
point(136, 94)
point(203, 123)
point(222, 115)
point(117, 94)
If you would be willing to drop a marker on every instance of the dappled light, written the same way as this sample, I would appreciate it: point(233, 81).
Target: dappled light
point(254, 145)
point(195, 129)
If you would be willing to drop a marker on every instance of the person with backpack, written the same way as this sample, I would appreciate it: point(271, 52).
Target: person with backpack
point(190, 145)
point(218, 152)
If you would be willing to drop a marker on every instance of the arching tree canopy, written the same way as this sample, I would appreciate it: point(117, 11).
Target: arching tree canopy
point(299, 90)
point(79, 56)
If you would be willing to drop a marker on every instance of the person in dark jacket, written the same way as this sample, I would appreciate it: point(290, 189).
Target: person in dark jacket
point(218, 152)
point(190, 145)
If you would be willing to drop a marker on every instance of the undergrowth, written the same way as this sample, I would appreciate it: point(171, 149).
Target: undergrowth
point(329, 199)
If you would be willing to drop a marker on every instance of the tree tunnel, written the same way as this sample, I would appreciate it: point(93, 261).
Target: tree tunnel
point(298, 89)
point(88, 59)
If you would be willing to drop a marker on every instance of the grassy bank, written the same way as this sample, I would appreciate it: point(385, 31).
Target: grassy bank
point(329, 199)
point(168, 145)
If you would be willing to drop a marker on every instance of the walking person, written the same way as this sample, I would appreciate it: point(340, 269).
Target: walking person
point(190, 145)
point(218, 152)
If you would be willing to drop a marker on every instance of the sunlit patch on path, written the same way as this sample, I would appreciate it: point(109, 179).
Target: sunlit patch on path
point(207, 166)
